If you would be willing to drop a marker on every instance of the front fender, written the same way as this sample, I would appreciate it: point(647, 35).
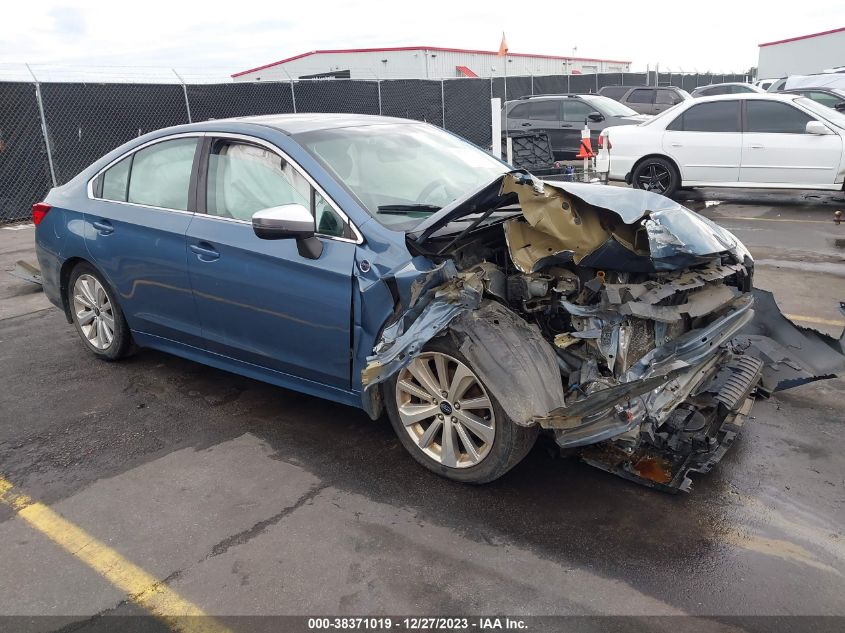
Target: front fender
point(516, 364)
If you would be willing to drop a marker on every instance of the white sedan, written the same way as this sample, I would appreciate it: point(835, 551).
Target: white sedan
point(740, 140)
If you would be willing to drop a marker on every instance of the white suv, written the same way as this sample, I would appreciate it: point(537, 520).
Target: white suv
point(739, 140)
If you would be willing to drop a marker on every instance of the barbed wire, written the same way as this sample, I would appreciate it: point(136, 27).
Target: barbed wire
point(46, 73)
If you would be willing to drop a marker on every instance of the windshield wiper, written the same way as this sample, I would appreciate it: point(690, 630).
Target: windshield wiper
point(402, 209)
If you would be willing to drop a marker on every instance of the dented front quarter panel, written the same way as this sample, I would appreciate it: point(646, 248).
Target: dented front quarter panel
point(600, 228)
point(513, 360)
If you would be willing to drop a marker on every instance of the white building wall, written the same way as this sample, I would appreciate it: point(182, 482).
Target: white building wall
point(802, 57)
point(426, 63)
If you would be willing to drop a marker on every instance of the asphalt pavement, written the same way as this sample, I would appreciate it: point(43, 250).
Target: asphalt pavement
point(236, 498)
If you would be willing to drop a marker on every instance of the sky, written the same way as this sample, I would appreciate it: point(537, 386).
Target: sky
point(202, 40)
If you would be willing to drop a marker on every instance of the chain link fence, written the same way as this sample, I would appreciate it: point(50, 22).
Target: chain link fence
point(24, 168)
point(51, 131)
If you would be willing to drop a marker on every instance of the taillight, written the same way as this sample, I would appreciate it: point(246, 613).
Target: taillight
point(604, 140)
point(39, 211)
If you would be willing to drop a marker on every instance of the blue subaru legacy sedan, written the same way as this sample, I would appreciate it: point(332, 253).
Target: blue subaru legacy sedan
point(389, 265)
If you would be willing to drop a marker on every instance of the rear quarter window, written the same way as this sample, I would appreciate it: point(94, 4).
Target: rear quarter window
point(116, 181)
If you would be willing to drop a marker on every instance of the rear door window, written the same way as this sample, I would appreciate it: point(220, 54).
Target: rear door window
point(718, 116)
point(545, 110)
point(770, 117)
point(161, 174)
point(520, 111)
point(641, 95)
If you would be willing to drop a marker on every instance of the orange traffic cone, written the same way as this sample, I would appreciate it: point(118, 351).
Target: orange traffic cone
point(586, 150)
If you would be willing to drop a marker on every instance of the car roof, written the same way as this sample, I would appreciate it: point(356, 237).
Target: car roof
point(768, 96)
point(564, 95)
point(813, 88)
point(312, 121)
point(726, 83)
point(638, 86)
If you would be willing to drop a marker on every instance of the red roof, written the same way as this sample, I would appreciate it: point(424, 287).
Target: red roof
point(803, 37)
point(426, 48)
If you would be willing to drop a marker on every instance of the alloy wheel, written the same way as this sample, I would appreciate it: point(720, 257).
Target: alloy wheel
point(93, 311)
point(446, 410)
point(655, 178)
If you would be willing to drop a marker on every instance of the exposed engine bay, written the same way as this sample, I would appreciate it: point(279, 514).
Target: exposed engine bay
point(617, 320)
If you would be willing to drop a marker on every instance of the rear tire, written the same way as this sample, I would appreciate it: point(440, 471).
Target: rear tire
point(97, 316)
point(484, 442)
point(657, 175)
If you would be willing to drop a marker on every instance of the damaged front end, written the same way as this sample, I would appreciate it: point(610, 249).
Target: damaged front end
point(617, 320)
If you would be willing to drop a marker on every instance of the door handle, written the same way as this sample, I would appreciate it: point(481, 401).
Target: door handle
point(525, 124)
point(104, 227)
point(676, 144)
point(565, 125)
point(205, 252)
point(756, 146)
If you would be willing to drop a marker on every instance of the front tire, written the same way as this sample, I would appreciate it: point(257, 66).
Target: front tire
point(448, 421)
point(96, 314)
point(657, 175)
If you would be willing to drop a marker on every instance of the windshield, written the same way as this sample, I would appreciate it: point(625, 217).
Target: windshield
point(402, 172)
point(826, 113)
point(609, 106)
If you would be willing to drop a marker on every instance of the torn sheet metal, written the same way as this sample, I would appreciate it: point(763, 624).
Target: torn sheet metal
point(620, 329)
point(698, 303)
point(652, 292)
point(792, 355)
point(652, 387)
point(436, 304)
point(609, 227)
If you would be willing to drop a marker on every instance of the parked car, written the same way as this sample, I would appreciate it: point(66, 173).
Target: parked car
point(777, 85)
point(764, 84)
point(563, 117)
point(818, 80)
point(729, 88)
point(830, 97)
point(743, 140)
point(646, 99)
point(388, 265)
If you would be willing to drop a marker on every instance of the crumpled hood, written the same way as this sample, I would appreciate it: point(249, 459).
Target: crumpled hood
point(597, 226)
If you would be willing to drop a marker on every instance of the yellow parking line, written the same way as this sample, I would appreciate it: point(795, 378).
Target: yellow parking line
point(809, 319)
point(152, 594)
point(738, 217)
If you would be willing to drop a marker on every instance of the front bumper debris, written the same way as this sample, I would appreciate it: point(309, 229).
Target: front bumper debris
point(692, 444)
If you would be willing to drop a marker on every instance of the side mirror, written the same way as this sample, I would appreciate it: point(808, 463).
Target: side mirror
point(289, 221)
point(595, 117)
point(818, 128)
point(839, 107)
